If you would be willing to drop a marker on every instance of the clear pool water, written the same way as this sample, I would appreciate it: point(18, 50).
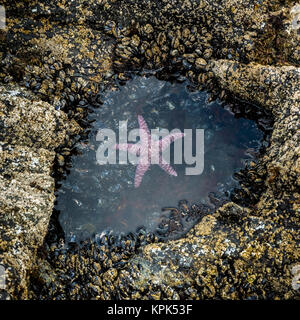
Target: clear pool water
point(96, 197)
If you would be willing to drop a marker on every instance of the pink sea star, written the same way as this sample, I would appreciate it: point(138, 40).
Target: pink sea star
point(146, 147)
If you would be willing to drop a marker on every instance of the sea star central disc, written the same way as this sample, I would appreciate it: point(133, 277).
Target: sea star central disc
point(147, 149)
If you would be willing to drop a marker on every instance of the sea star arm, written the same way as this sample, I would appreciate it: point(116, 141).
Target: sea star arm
point(132, 148)
point(144, 131)
point(139, 173)
point(166, 167)
point(166, 141)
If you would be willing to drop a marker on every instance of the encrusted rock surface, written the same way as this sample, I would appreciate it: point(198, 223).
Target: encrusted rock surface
point(66, 54)
point(30, 132)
